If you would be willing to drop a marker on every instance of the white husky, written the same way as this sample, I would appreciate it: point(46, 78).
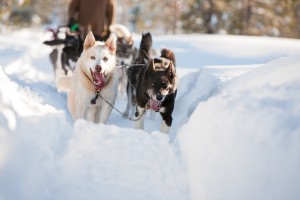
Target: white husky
point(94, 82)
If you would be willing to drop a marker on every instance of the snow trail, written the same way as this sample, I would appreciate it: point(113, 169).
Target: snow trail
point(235, 130)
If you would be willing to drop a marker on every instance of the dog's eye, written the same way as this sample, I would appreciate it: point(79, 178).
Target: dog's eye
point(165, 85)
point(105, 59)
point(93, 57)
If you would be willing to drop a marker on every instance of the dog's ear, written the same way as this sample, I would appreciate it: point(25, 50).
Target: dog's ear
point(172, 76)
point(89, 40)
point(166, 53)
point(111, 44)
point(150, 65)
point(165, 63)
point(171, 70)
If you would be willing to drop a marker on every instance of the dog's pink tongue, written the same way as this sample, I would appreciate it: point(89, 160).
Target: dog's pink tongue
point(155, 105)
point(99, 80)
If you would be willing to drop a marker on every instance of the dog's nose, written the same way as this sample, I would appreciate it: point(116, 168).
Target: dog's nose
point(159, 97)
point(98, 68)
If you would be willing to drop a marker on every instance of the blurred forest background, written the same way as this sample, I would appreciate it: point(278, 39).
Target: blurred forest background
point(278, 18)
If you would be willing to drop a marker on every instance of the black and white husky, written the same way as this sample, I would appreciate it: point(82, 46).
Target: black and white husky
point(156, 89)
point(65, 53)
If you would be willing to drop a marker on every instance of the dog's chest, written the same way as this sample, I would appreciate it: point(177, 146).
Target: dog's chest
point(107, 94)
point(104, 97)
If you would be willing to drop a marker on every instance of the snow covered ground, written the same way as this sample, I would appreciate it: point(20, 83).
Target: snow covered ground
point(236, 130)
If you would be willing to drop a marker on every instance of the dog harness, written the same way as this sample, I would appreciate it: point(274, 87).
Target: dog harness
point(94, 99)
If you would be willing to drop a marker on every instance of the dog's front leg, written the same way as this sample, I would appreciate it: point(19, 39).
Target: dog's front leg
point(105, 112)
point(93, 113)
point(164, 128)
point(81, 108)
point(79, 111)
point(139, 124)
point(129, 98)
point(166, 123)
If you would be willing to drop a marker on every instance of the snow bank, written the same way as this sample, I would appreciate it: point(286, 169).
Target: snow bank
point(23, 55)
point(244, 142)
point(34, 130)
point(238, 127)
point(43, 157)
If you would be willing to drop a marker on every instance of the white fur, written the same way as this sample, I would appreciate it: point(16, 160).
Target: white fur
point(164, 128)
point(120, 30)
point(59, 70)
point(63, 83)
point(82, 90)
point(139, 124)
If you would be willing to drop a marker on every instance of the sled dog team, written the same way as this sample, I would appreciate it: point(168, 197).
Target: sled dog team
point(114, 66)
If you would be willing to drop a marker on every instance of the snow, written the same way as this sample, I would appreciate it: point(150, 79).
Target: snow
point(244, 142)
point(235, 134)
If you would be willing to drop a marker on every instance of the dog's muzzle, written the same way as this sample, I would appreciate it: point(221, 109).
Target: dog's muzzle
point(160, 97)
point(98, 77)
point(155, 105)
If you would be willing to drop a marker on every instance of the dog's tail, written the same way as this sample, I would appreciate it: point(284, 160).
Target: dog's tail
point(63, 83)
point(120, 30)
point(145, 48)
point(54, 42)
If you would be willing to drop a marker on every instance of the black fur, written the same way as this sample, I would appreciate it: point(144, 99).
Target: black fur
point(133, 71)
point(157, 75)
point(54, 42)
point(158, 80)
point(145, 48)
point(72, 49)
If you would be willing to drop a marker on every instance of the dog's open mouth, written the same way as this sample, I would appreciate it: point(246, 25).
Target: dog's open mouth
point(98, 79)
point(155, 105)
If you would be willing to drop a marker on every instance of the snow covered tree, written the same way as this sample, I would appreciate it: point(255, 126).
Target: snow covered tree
point(245, 17)
point(161, 17)
point(204, 16)
point(20, 13)
point(242, 17)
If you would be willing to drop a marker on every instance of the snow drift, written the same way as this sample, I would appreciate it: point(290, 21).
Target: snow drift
point(244, 142)
point(235, 134)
